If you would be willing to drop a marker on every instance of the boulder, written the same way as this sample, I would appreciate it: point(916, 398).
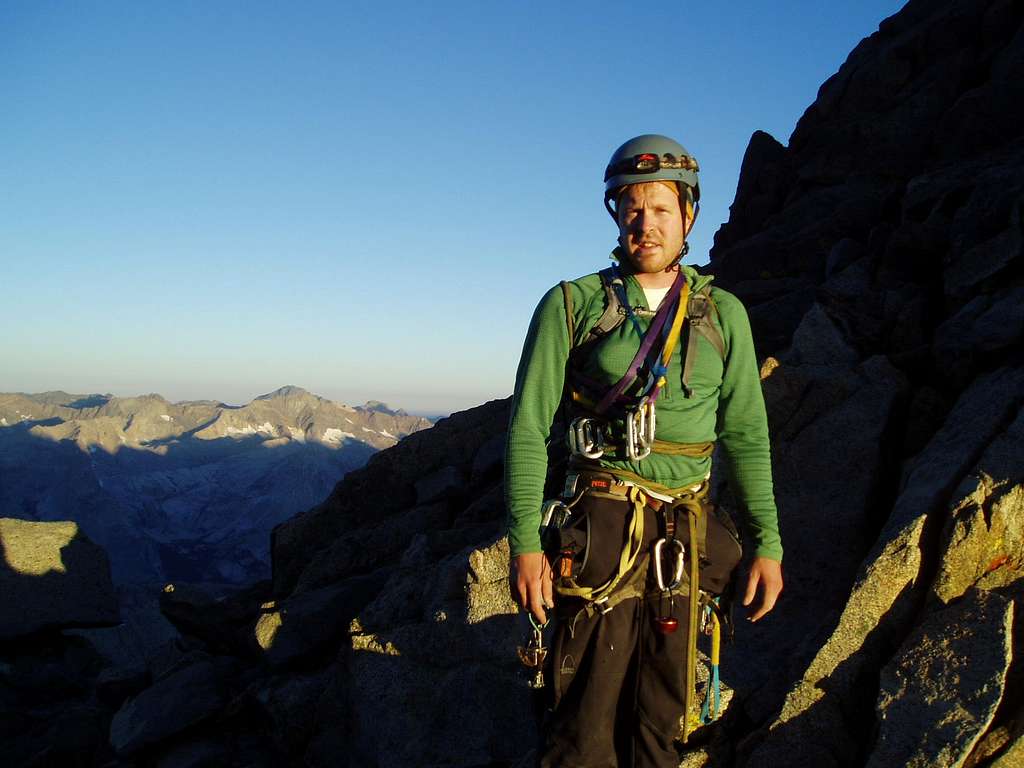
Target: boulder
point(115, 684)
point(73, 736)
point(817, 341)
point(843, 254)
point(330, 743)
point(171, 705)
point(291, 703)
point(310, 623)
point(1012, 757)
point(374, 544)
point(985, 324)
point(774, 321)
point(198, 752)
point(488, 583)
point(52, 576)
point(488, 459)
point(942, 689)
point(977, 267)
point(985, 531)
point(217, 617)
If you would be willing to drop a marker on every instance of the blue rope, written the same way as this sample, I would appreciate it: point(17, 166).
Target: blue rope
point(714, 689)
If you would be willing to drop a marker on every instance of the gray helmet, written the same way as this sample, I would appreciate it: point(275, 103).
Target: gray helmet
point(651, 157)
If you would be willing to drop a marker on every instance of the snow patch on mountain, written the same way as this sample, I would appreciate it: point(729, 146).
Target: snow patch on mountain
point(333, 435)
point(266, 428)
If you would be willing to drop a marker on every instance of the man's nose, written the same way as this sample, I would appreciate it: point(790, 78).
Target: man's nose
point(643, 222)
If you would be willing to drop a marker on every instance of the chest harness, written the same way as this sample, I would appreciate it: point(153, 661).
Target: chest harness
point(619, 422)
point(631, 401)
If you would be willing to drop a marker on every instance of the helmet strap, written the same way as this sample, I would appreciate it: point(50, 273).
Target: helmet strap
point(686, 231)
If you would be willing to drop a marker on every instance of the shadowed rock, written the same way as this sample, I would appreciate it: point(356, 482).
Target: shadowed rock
point(51, 576)
point(171, 705)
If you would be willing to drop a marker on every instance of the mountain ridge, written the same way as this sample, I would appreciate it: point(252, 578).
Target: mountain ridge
point(186, 490)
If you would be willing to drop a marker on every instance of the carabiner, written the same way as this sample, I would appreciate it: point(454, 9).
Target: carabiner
point(586, 438)
point(554, 513)
point(640, 426)
point(677, 575)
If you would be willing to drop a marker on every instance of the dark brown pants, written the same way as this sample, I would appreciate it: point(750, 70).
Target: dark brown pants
point(617, 685)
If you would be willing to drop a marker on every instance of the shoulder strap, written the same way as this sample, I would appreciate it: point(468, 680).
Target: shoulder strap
point(698, 314)
point(613, 315)
point(570, 321)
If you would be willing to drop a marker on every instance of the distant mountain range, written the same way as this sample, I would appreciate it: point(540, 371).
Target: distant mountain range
point(189, 490)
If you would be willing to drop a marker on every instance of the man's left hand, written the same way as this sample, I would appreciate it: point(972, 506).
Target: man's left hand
point(766, 574)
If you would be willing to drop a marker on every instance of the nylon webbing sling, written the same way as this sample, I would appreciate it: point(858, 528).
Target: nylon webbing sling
point(671, 303)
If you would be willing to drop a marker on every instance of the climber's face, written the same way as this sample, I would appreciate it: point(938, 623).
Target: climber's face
point(651, 226)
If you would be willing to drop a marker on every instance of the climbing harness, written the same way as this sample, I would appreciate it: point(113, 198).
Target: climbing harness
point(677, 563)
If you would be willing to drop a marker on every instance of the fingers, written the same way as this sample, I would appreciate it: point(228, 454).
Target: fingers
point(752, 580)
point(765, 574)
point(547, 585)
point(766, 604)
point(537, 607)
point(534, 585)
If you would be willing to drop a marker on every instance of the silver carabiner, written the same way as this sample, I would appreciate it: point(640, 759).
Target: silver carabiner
point(586, 438)
point(640, 426)
point(554, 514)
point(677, 575)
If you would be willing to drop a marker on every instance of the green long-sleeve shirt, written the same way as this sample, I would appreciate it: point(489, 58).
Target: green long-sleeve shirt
point(726, 404)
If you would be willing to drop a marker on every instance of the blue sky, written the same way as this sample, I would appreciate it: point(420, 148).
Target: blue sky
point(366, 199)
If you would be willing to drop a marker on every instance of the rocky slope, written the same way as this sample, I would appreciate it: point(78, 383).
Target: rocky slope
point(880, 253)
point(182, 490)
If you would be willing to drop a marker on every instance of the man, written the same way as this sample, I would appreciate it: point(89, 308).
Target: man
point(647, 387)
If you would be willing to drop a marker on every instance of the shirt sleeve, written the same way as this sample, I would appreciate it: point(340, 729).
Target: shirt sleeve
point(742, 428)
point(538, 393)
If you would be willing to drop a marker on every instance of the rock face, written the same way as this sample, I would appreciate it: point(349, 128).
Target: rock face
point(942, 689)
point(888, 233)
point(183, 491)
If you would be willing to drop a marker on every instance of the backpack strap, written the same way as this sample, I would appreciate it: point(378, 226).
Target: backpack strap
point(698, 313)
point(614, 314)
point(570, 321)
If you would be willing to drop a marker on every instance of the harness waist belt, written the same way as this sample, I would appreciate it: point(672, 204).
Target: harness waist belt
point(609, 483)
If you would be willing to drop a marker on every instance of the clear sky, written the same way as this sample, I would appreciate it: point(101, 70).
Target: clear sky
point(367, 199)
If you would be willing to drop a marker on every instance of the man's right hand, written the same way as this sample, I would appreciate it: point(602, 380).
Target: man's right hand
point(532, 584)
